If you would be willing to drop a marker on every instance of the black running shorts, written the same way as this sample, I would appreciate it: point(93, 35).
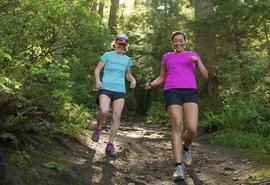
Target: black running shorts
point(180, 96)
point(111, 94)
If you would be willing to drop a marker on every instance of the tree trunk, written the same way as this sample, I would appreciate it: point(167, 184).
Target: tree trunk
point(266, 31)
point(143, 98)
point(94, 6)
point(112, 25)
point(243, 86)
point(206, 46)
point(203, 38)
point(101, 10)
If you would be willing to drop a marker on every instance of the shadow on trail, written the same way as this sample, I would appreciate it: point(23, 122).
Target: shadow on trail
point(75, 159)
point(79, 171)
point(108, 171)
point(150, 158)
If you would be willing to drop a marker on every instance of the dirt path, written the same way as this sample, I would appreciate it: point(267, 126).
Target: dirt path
point(144, 156)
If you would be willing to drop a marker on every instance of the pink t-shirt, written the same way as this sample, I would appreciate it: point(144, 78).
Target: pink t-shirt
point(180, 71)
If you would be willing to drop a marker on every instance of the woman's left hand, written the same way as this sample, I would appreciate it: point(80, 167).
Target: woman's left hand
point(194, 59)
point(133, 84)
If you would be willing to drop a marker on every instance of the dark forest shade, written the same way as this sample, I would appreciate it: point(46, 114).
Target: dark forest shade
point(2, 170)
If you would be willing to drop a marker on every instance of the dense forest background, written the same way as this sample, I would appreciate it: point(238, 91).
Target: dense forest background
point(49, 50)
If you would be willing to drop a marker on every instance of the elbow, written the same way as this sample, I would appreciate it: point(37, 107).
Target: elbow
point(162, 80)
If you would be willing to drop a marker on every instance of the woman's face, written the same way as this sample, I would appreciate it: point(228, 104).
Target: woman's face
point(120, 48)
point(178, 43)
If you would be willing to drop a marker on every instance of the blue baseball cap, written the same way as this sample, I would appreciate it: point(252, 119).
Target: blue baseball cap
point(121, 39)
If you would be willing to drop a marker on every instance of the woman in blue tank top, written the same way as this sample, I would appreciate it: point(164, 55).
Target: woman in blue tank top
point(116, 66)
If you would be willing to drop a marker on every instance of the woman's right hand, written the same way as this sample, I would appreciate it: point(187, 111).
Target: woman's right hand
point(98, 84)
point(147, 86)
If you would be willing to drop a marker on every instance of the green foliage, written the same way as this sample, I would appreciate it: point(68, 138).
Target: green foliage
point(237, 115)
point(157, 114)
point(211, 120)
point(131, 104)
point(243, 110)
point(164, 18)
point(254, 71)
point(73, 118)
point(46, 56)
point(8, 86)
point(53, 165)
point(237, 25)
point(16, 120)
point(20, 158)
point(240, 139)
point(7, 136)
point(249, 116)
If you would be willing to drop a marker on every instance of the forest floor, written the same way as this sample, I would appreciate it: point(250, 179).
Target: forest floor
point(144, 157)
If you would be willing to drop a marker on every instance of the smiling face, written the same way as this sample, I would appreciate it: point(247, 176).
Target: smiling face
point(178, 43)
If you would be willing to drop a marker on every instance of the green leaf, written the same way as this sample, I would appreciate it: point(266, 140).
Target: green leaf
point(52, 165)
point(5, 89)
point(7, 135)
point(8, 57)
point(3, 80)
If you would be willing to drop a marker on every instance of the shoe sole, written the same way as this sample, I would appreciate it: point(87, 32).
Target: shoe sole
point(96, 141)
point(188, 164)
point(178, 178)
point(109, 154)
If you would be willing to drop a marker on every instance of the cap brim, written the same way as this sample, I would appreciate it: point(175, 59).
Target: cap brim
point(121, 42)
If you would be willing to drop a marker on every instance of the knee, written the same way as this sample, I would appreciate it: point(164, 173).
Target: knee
point(104, 113)
point(116, 116)
point(192, 130)
point(177, 127)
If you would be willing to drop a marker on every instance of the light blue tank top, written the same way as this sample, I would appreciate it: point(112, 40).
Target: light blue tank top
point(115, 71)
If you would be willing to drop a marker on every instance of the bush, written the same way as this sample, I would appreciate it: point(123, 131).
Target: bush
point(73, 119)
point(241, 115)
point(157, 114)
point(211, 122)
point(240, 139)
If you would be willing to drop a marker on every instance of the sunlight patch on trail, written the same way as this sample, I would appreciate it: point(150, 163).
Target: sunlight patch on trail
point(137, 132)
point(133, 133)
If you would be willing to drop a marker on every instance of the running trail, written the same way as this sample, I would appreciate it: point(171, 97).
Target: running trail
point(144, 157)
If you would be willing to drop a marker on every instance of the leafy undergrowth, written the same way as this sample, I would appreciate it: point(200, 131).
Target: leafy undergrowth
point(242, 140)
point(252, 145)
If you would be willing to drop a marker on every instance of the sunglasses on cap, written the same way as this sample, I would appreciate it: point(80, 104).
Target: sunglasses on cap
point(121, 39)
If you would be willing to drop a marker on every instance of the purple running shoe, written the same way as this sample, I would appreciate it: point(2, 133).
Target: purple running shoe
point(110, 149)
point(96, 134)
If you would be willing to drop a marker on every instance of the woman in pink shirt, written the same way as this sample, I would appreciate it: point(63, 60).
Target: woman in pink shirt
point(181, 97)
